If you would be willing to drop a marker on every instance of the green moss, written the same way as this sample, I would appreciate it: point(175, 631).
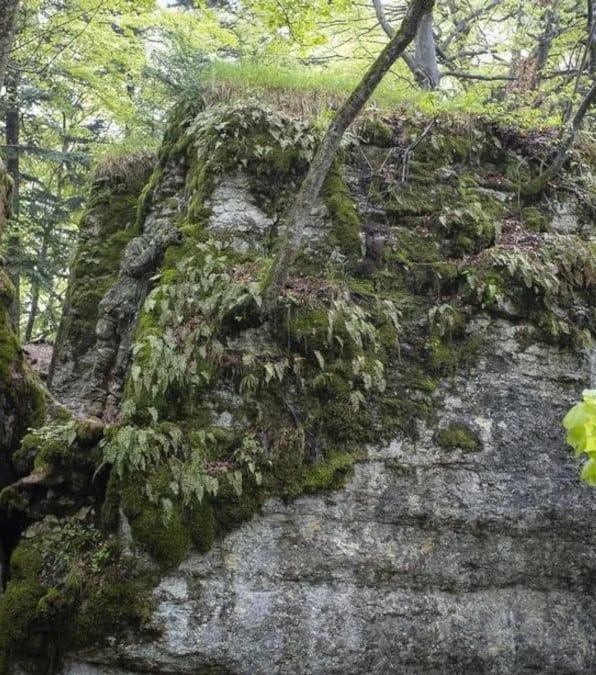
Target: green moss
point(410, 201)
point(68, 590)
point(52, 603)
point(443, 358)
point(201, 522)
point(345, 231)
point(68, 450)
point(287, 453)
point(307, 327)
point(336, 421)
point(107, 225)
point(232, 510)
point(376, 132)
point(115, 603)
point(458, 436)
point(9, 348)
point(402, 412)
point(12, 501)
point(534, 219)
point(37, 403)
point(163, 535)
point(89, 431)
point(414, 260)
point(330, 474)
point(19, 607)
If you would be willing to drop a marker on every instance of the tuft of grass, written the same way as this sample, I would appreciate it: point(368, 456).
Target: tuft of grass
point(310, 92)
point(129, 168)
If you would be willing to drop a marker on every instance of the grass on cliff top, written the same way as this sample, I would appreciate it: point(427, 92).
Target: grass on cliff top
point(310, 91)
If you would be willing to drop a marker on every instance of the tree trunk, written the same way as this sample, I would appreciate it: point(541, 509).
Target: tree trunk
point(12, 134)
point(35, 287)
point(426, 53)
point(550, 30)
point(591, 37)
point(423, 65)
point(538, 184)
point(300, 213)
point(8, 14)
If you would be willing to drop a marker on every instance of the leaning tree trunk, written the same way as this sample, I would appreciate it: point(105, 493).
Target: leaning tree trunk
point(568, 139)
point(310, 189)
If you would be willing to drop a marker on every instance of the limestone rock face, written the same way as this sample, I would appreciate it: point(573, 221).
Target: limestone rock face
point(421, 358)
point(431, 560)
point(235, 216)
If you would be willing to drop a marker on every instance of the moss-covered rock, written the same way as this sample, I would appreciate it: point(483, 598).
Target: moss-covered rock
point(222, 406)
point(19, 606)
point(159, 531)
point(68, 589)
point(345, 231)
point(108, 224)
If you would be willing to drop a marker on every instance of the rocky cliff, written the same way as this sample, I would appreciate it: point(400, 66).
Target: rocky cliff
point(373, 478)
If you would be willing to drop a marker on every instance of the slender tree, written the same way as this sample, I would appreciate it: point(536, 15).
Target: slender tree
point(310, 189)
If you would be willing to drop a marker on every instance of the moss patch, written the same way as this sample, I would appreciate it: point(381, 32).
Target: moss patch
point(458, 436)
point(330, 474)
point(345, 223)
point(161, 533)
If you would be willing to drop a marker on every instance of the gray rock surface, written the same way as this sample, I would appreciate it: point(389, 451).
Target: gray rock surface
point(429, 561)
point(234, 216)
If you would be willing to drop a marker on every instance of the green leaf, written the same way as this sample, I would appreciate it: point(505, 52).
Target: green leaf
point(589, 472)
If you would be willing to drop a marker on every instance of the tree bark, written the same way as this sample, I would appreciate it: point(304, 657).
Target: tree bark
point(426, 53)
point(300, 213)
point(591, 37)
point(538, 184)
point(8, 14)
point(550, 30)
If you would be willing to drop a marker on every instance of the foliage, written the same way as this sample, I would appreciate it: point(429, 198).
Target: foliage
point(238, 126)
point(546, 278)
point(580, 423)
point(186, 343)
